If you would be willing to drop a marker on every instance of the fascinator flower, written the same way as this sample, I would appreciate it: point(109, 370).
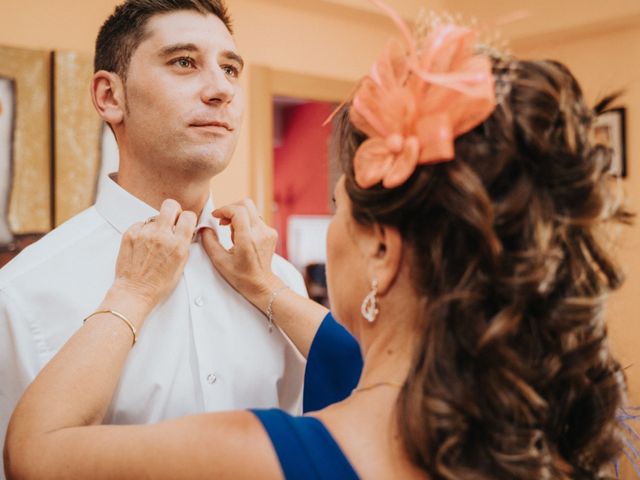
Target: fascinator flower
point(417, 100)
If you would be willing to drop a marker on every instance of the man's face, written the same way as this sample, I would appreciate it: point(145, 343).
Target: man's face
point(183, 95)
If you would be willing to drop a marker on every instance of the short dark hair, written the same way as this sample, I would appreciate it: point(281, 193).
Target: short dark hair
point(125, 29)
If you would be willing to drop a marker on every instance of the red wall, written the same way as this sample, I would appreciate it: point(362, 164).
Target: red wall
point(301, 167)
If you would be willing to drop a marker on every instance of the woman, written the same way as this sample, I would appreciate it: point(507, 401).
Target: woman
point(463, 256)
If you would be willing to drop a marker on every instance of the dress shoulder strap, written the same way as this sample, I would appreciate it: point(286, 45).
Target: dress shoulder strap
point(305, 448)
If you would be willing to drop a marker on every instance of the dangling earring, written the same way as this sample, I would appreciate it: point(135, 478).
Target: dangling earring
point(369, 308)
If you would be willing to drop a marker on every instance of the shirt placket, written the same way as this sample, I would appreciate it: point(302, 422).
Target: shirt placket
point(201, 309)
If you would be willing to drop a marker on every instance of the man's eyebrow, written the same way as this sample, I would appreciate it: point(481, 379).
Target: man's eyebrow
point(178, 47)
point(234, 56)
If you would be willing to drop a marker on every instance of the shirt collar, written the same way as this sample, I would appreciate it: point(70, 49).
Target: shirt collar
point(121, 209)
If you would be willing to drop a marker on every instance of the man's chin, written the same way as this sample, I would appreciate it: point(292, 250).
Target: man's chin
point(205, 165)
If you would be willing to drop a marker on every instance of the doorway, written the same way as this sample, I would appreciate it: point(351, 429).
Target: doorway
point(292, 176)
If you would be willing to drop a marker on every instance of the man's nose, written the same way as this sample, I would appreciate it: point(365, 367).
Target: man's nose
point(217, 87)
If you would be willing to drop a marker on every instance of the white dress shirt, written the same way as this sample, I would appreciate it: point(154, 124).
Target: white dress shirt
point(204, 349)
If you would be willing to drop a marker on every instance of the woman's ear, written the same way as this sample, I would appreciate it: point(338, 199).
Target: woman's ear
point(107, 94)
point(385, 256)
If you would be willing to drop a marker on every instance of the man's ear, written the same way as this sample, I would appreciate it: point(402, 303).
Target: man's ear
point(107, 94)
point(384, 256)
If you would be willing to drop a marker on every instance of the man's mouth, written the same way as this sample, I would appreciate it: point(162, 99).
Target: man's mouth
point(213, 125)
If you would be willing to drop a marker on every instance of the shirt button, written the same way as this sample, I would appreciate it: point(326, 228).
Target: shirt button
point(211, 378)
point(199, 301)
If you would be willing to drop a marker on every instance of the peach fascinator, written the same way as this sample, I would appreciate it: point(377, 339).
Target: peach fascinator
point(419, 97)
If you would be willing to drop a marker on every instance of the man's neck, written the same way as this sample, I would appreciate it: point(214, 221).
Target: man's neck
point(155, 187)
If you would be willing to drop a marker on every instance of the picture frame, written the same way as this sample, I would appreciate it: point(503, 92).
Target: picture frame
point(610, 130)
point(7, 133)
point(85, 149)
point(27, 193)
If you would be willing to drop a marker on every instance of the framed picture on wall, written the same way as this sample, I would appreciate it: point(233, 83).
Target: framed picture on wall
point(25, 145)
point(85, 149)
point(7, 102)
point(610, 130)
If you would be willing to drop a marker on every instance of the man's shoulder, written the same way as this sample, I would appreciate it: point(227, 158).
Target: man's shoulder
point(289, 274)
point(60, 241)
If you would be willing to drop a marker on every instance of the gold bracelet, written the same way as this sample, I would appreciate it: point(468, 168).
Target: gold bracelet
point(121, 317)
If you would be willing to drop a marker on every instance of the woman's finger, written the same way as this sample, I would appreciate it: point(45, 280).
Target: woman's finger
point(126, 244)
point(169, 213)
point(131, 234)
point(238, 217)
point(224, 212)
point(186, 225)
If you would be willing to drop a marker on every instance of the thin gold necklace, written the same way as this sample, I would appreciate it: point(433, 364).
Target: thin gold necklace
point(375, 385)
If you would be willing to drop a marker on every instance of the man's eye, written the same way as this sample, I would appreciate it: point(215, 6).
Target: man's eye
point(185, 62)
point(231, 71)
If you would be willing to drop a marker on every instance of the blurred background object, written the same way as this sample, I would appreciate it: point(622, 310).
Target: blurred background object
point(315, 278)
point(25, 148)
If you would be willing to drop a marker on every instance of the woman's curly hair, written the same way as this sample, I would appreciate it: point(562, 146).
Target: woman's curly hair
point(513, 377)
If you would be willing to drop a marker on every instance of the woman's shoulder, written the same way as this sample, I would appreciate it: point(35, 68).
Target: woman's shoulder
point(305, 447)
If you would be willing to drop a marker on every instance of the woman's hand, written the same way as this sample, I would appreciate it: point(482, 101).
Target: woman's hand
point(151, 259)
point(247, 265)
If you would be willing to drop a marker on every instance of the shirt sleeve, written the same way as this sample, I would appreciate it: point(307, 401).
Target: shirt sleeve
point(333, 367)
point(18, 362)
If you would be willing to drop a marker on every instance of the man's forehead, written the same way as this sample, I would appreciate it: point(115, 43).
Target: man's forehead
point(206, 31)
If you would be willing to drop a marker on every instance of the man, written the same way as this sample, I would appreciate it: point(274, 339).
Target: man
point(168, 83)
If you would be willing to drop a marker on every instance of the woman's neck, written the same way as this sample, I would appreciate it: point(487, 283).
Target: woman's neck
point(388, 349)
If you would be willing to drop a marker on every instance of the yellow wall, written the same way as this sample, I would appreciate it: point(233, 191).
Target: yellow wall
point(604, 63)
point(322, 38)
point(533, 18)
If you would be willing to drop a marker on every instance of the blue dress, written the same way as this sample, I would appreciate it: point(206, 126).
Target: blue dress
point(305, 448)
